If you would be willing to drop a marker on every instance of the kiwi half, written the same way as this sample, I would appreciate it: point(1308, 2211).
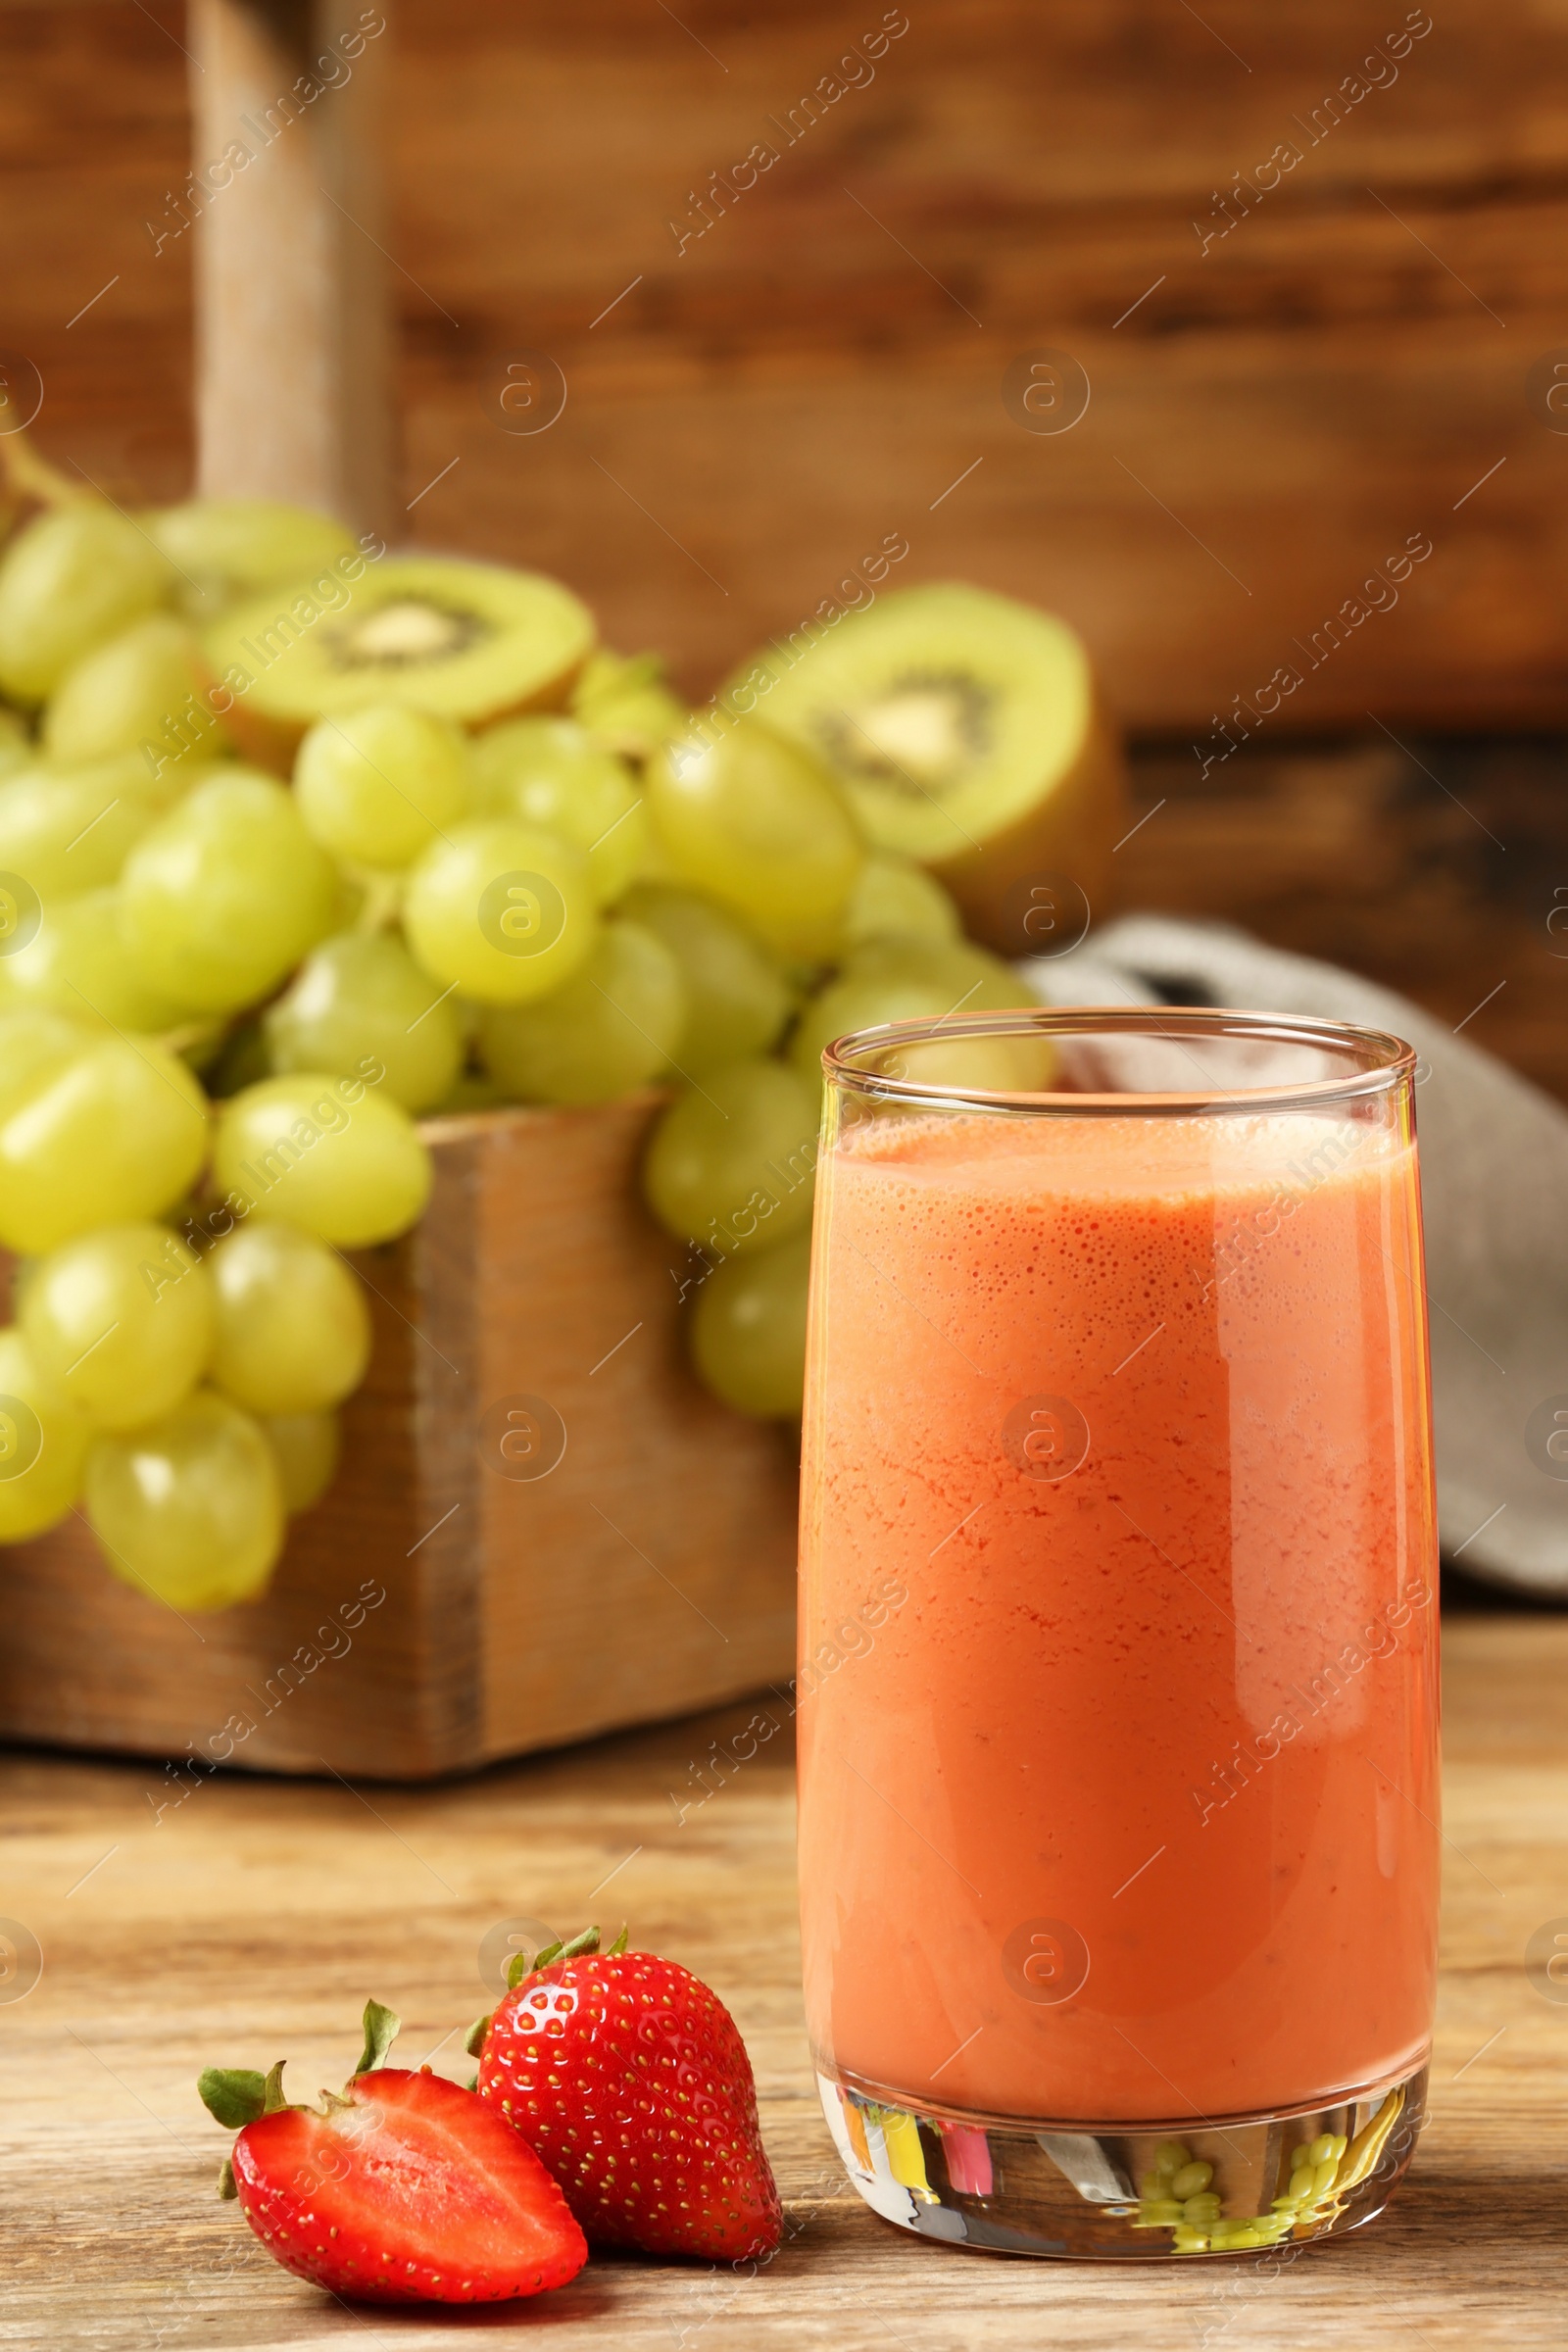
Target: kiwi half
point(966, 731)
point(468, 642)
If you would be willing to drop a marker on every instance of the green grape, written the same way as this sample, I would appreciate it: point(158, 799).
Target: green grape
point(229, 547)
point(76, 964)
point(68, 581)
point(190, 1508)
point(325, 1154)
point(895, 898)
point(135, 694)
point(551, 772)
point(732, 1164)
point(361, 996)
point(626, 702)
point(500, 909)
point(902, 980)
point(306, 1449)
point(34, 1042)
point(121, 1321)
point(609, 1030)
point(747, 1335)
point(43, 1445)
point(1191, 2180)
point(226, 894)
point(737, 999)
point(114, 1131)
point(378, 786)
point(69, 830)
point(760, 824)
point(293, 1332)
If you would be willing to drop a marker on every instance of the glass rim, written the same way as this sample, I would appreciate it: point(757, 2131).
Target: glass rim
point(1385, 1061)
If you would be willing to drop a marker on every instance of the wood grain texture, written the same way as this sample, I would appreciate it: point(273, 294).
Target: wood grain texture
point(253, 1919)
point(649, 1571)
point(1272, 412)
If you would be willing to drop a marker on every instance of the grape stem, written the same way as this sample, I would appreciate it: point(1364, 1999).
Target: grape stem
point(383, 898)
point(29, 476)
point(195, 1033)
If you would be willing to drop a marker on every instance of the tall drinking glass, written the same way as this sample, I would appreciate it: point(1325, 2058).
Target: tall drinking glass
point(1118, 1699)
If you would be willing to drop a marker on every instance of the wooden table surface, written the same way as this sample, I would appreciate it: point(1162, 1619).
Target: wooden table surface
point(253, 1919)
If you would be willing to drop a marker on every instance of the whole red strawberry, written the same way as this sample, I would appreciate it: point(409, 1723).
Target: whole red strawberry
point(406, 2190)
point(630, 2081)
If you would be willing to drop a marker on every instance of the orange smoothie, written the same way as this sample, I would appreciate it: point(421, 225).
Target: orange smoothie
point(1119, 1700)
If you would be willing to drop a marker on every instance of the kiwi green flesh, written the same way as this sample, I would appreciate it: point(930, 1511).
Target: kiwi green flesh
point(947, 712)
point(463, 641)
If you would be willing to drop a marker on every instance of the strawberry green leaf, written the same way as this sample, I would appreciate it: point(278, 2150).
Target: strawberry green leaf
point(474, 2039)
point(619, 1945)
point(272, 2099)
point(225, 2179)
point(381, 2029)
point(586, 1942)
point(233, 2095)
point(521, 1965)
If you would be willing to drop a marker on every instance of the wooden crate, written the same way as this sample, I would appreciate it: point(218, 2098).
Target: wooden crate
point(649, 1571)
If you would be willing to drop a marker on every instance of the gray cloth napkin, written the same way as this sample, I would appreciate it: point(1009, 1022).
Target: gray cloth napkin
point(1494, 1190)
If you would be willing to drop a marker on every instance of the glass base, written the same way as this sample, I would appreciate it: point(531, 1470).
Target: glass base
point(1134, 2192)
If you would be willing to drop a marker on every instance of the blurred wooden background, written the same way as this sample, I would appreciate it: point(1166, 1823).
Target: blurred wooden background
point(1274, 418)
point(1358, 360)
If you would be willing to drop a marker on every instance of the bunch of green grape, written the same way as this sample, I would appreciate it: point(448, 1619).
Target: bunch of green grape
point(185, 1324)
point(1178, 2195)
point(228, 995)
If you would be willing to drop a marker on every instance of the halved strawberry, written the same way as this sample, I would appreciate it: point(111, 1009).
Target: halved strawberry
point(629, 2078)
point(406, 2190)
